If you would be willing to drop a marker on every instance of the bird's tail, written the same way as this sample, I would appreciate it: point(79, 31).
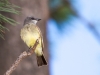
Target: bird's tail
point(41, 60)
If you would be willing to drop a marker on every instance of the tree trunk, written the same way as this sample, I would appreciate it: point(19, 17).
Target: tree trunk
point(13, 46)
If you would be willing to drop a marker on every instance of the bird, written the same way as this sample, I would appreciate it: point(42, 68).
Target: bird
point(29, 34)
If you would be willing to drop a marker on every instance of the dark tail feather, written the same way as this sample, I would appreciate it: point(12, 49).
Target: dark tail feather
point(41, 60)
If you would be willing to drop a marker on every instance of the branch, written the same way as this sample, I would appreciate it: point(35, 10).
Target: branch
point(22, 55)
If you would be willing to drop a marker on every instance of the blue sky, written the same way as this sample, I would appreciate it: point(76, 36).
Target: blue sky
point(76, 51)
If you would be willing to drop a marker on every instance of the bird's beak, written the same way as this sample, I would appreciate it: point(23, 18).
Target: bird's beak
point(38, 19)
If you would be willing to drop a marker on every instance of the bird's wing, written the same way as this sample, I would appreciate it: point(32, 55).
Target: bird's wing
point(41, 37)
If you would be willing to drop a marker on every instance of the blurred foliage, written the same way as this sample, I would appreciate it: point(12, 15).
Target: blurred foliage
point(6, 7)
point(61, 10)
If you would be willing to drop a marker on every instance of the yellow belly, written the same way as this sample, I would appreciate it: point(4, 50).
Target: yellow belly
point(30, 38)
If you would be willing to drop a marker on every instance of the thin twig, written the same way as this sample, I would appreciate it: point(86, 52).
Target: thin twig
point(22, 55)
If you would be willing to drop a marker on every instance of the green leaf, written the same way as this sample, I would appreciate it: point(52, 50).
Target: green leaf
point(2, 27)
point(10, 10)
point(8, 20)
point(2, 36)
point(7, 7)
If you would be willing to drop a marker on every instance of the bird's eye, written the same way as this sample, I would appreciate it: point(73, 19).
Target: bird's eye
point(32, 18)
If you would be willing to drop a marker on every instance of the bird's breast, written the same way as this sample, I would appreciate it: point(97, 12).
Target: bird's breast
point(30, 38)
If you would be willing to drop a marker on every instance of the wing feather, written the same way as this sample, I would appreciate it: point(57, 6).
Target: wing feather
point(41, 37)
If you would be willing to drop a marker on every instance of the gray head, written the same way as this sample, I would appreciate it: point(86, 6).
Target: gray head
point(31, 20)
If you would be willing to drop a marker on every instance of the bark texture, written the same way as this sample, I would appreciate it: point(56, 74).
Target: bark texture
point(13, 46)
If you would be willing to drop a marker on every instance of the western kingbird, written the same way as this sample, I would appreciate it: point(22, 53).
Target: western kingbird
point(29, 34)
